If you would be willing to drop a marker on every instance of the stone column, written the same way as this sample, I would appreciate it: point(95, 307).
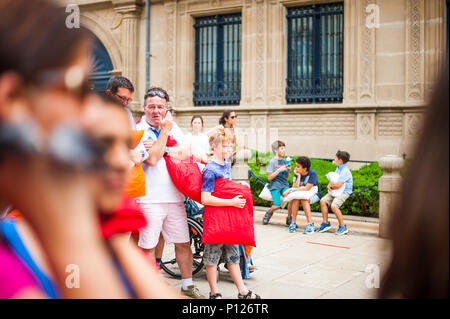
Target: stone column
point(240, 168)
point(389, 187)
point(130, 10)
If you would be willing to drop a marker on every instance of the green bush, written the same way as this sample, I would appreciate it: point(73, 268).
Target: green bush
point(364, 204)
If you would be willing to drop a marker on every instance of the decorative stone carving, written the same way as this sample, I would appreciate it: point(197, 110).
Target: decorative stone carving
point(414, 66)
point(365, 127)
point(413, 124)
point(367, 58)
point(170, 8)
point(390, 125)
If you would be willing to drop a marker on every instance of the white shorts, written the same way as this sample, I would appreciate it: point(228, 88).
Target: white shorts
point(170, 219)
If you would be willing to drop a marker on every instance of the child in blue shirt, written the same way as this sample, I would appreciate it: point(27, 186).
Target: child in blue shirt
point(345, 178)
point(216, 168)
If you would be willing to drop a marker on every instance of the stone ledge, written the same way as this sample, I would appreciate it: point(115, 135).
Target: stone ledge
point(356, 224)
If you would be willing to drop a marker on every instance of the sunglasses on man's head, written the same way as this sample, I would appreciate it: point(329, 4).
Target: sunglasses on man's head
point(158, 93)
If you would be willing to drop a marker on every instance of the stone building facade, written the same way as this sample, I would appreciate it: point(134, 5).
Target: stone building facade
point(388, 70)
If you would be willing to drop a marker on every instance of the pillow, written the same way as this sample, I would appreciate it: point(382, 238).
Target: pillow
point(333, 177)
point(265, 194)
point(299, 195)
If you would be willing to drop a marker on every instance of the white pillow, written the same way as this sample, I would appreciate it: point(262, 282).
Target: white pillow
point(300, 195)
point(333, 177)
point(266, 194)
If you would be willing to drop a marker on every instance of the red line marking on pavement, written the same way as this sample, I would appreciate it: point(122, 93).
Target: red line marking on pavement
point(310, 242)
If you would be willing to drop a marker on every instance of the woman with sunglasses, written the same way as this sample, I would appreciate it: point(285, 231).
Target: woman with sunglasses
point(45, 159)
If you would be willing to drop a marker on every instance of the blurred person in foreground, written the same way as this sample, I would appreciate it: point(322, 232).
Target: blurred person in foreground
point(45, 160)
point(419, 228)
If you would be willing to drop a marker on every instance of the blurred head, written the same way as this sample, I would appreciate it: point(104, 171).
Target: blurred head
point(341, 157)
point(302, 165)
point(197, 124)
point(43, 64)
point(221, 144)
point(279, 148)
point(121, 89)
point(419, 226)
point(228, 119)
point(155, 106)
point(106, 122)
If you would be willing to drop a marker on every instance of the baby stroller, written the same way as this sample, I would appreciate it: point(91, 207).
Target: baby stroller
point(195, 224)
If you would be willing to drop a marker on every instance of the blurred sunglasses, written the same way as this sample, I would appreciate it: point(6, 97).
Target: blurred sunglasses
point(233, 117)
point(73, 80)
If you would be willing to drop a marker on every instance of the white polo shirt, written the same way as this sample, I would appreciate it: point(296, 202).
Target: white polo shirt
point(159, 187)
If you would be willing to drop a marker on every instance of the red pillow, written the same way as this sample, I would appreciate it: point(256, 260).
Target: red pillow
point(221, 225)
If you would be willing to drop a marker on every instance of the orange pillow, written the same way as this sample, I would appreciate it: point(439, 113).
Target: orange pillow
point(136, 136)
point(135, 186)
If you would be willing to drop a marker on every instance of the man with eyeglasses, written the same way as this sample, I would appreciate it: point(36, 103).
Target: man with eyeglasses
point(120, 88)
point(163, 204)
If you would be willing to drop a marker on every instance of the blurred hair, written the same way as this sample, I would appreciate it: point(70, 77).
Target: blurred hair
point(343, 155)
point(221, 136)
point(419, 227)
point(225, 115)
point(116, 82)
point(276, 145)
point(304, 162)
point(34, 38)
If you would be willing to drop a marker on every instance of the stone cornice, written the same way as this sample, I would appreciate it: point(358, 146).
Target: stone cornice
point(305, 108)
point(126, 6)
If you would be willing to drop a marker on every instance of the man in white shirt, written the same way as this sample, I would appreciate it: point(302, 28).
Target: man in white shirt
point(163, 204)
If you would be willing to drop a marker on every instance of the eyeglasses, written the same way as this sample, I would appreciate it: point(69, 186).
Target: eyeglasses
point(233, 117)
point(158, 93)
point(123, 99)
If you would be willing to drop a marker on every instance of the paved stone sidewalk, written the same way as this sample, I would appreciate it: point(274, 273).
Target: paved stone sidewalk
point(306, 266)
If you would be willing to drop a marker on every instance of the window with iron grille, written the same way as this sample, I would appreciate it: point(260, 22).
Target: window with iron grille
point(315, 54)
point(217, 60)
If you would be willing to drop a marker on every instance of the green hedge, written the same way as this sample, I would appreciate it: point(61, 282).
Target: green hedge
point(364, 204)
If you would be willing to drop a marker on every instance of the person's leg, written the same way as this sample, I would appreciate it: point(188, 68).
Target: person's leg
point(335, 207)
point(159, 249)
point(324, 202)
point(149, 235)
point(290, 210)
point(183, 255)
point(295, 204)
point(307, 209)
point(276, 196)
point(211, 257)
point(211, 276)
point(175, 230)
point(232, 256)
point(338, 214)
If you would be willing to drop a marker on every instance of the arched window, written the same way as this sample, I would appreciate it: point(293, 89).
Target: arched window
point(101, 67)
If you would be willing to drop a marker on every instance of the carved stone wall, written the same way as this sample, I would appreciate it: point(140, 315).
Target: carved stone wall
point(389, 70)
